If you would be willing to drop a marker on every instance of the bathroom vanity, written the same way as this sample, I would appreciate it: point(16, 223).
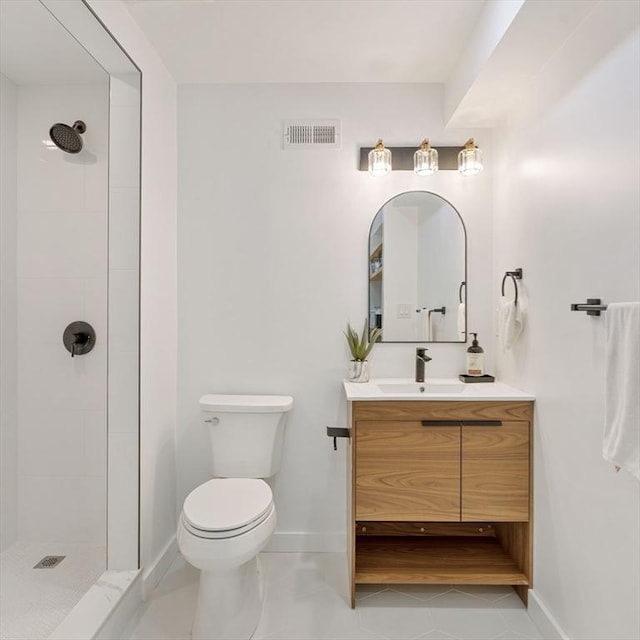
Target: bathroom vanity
point(439, 484)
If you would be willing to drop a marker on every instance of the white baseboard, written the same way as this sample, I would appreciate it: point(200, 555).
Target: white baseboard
point(304, 542)
point(152, 575)
point(543, 619)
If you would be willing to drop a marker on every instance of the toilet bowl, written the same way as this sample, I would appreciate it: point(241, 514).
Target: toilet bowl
point(226, 521)
point(224, 524)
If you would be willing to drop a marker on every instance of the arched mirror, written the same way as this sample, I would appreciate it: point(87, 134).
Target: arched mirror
point(418, 270)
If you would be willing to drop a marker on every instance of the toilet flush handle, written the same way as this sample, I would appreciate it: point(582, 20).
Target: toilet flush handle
point(213, 420)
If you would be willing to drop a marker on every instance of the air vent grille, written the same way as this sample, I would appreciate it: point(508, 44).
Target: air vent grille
point(308, 134)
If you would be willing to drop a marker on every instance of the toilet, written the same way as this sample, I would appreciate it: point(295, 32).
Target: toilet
point(228, 520)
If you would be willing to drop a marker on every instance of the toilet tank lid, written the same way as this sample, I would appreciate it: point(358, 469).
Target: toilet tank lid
point(245, 404)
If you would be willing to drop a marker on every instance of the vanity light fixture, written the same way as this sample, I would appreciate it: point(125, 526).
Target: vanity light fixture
point(425, 159)
point(470, 159)
point(379, 160)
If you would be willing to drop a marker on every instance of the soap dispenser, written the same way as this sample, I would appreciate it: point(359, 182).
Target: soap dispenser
point(475, 358)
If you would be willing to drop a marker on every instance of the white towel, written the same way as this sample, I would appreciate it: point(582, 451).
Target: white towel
point(621, 443)
point(510, 322)
point(462, 326)
point(428, 326)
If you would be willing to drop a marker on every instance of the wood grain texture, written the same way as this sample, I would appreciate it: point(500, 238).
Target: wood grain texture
point(394, 549)
point(515, 538)
point(407, 472)
point(495, 473)
point(373, 528)
point(441, 409)
point(449, 560)
point(351, 518)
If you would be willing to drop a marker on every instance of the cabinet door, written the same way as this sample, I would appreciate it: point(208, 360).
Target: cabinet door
point(407, 472)
point(495, 472)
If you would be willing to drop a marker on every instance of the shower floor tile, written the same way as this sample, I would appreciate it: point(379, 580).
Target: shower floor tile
point(306, 599)
point(33, 602)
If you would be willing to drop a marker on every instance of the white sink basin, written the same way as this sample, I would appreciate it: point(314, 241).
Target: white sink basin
point(421, 388)
point(447, 389)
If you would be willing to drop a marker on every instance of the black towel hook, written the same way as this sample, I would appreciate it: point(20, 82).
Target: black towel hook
point(516, 274)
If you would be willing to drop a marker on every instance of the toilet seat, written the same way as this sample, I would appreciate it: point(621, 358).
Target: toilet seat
point(227, 507)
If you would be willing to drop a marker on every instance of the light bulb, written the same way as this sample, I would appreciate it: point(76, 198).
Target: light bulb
point(379, 160)
point(470, 159)
point(425, 159)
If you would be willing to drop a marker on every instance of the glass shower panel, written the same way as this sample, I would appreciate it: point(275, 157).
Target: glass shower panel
point(69, 216)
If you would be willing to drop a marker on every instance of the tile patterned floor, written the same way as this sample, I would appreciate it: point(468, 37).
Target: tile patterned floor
point(33, 602)
point(306, 599)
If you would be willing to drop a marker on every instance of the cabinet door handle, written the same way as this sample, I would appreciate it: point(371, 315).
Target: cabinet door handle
point(441, 423)
point(482, 423)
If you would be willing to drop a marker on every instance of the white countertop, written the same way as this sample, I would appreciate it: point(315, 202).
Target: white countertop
point(451, 389)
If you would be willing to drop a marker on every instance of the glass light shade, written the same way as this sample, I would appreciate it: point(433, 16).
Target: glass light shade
point(379, 160)
point(425, 160)
point(470, 160)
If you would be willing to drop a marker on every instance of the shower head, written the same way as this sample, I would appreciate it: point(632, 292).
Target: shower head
point(68, 138)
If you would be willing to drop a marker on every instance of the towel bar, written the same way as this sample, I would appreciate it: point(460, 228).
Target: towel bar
point(516, 274)
point(442, 310)
point(593, 306)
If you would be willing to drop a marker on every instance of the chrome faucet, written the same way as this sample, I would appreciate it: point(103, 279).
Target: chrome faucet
point(421, 359)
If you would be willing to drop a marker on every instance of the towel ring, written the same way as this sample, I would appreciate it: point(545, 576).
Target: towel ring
point(517, 274)
point(462, 284)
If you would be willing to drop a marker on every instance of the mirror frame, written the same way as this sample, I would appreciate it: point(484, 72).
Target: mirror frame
point(466, 275)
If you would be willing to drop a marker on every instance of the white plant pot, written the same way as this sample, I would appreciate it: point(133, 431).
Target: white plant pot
point(359, 371)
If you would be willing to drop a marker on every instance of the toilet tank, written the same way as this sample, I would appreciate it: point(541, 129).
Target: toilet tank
point(246, 433)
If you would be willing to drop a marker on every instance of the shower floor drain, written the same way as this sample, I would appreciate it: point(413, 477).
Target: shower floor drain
point(49, 562)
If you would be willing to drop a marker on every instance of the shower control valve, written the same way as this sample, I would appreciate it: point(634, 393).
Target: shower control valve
point(79, 338)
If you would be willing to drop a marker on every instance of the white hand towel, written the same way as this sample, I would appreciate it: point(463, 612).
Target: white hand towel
point(510, 322)
point(621, 443)
point(462, 327)
point(428, 326)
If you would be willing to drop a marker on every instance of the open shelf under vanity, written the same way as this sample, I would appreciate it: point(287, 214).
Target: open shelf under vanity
point(436, 559)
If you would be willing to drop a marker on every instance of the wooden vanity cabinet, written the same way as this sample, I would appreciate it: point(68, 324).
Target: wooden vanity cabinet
point(440, 493)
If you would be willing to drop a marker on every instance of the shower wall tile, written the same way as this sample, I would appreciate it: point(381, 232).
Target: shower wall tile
point(95, 310)
point(65, 245)
point(46, 181)
point(95, 444)
point(124, 227)
point(125, 150)
point(52, 442)
point(62, 277)
point(61, 509)
point(123, 491)
point(124, 322)
point(96, 184)
point(123, 309)
point(93, 520)
point(46, 306)
point(49, 179)
point(123, 391)
point(8, 314)
point(50, 378)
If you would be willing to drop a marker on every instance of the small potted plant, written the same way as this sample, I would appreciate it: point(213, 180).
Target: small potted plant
point(360, 347)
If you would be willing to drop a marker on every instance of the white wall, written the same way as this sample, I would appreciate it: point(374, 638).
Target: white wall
point(8, 315)
point(158, 314)
point(273, 262)
point(62, 277)
point(567, 211)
